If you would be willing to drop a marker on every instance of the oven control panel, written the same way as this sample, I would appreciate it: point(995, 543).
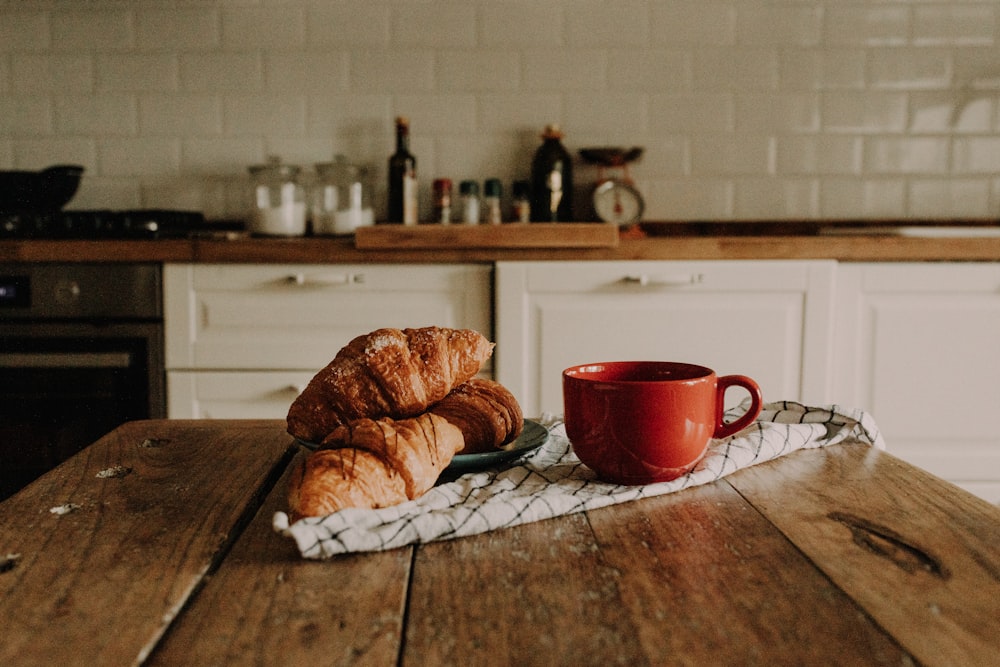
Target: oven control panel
point(75, 291)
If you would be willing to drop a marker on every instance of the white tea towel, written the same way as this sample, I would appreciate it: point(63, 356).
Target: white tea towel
point(552, 482)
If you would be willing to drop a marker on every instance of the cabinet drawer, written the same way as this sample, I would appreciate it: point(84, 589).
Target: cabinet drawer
point(233, 394)
point(649, 277)
point(291, 317)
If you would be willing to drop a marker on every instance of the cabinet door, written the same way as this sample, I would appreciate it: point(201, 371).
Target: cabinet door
point(919, 350)
point(233, 394)
point(769, 320)
point(296, 317)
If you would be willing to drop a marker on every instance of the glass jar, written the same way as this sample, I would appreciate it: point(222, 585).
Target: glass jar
point(341, 198)
point(469, 192)
point(492, 190)
point(552, 179)
point(442, 201)
point(521, 203)
point(279, 202)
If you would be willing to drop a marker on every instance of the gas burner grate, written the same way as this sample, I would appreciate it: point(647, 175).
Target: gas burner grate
point(101, 224)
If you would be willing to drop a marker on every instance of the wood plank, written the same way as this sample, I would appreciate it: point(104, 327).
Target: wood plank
point(705, 577)
point(150, 508)
point(110, 250)
point(920, 555)
point(533, 595)
point(534, 235)
point(267, 606)
point(696, 577)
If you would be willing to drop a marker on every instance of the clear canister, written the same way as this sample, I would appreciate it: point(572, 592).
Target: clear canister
point(279, 202)
point(341, 198)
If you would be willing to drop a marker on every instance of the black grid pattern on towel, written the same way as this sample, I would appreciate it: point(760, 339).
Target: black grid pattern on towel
point(552, 482)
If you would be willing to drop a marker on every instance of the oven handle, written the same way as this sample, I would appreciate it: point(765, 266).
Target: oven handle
point(65, 360)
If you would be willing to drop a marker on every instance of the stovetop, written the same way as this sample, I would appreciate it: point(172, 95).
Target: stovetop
point(102, 224)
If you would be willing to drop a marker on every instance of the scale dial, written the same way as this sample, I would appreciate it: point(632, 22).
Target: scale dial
point(618, 202)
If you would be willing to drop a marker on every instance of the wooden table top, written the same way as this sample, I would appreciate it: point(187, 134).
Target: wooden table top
point(161, 552)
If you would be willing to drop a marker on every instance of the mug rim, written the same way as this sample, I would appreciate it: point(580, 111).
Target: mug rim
point(597, 371)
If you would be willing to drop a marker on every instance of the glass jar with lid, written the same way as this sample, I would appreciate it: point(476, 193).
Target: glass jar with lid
point(341, 201)
point(279, 201)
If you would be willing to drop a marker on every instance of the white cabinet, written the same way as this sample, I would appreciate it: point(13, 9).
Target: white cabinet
point(918, 346)
point(770, 320)
point(242, 339)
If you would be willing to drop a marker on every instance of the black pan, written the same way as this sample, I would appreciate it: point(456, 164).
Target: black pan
point(38, 191)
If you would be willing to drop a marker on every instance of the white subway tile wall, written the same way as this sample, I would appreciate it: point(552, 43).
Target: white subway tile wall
point(774, 109)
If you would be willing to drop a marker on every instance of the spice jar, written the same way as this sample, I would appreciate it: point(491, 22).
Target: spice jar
point(521, 202)
point(341, 198)
point(492, 190)
point(469, 191)
point(279, 202)
point(442, 200)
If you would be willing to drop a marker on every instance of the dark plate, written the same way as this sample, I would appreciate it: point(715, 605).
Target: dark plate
point(533, 436)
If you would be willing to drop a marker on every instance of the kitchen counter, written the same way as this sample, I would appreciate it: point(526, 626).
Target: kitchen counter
point(705, 241)
point(154, 546)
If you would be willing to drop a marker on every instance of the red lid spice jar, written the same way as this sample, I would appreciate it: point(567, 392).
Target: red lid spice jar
point(442, 201)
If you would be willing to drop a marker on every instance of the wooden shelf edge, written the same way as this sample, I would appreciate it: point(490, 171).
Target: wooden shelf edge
point(512, 235)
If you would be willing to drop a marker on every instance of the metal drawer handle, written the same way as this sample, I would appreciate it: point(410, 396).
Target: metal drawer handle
point(644, 280)
point(326, 279)
point(66, 360)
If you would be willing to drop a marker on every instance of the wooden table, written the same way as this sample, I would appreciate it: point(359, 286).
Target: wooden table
point(841, 556)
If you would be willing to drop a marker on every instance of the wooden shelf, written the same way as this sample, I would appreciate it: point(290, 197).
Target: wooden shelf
point(511, 235)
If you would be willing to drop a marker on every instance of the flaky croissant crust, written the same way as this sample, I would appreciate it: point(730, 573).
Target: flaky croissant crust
point(395, 373)
point(378, 463)
point(485, 411)
point(373, 463)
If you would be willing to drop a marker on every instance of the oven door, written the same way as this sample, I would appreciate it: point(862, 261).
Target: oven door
point(62, 386)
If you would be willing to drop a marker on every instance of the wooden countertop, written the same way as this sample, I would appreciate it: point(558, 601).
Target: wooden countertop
point(837, 555)
point(681, 246)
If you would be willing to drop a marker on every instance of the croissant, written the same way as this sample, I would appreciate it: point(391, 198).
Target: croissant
point(484, 411)
point(373, 463)
point(387, 373)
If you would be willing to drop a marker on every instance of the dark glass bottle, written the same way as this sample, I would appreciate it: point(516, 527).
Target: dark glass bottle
point(551, 180)
point(402, 178)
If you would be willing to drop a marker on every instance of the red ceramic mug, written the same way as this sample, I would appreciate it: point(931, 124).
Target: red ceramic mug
point(637, 422)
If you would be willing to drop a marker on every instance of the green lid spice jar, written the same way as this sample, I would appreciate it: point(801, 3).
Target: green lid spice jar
point(492, 190)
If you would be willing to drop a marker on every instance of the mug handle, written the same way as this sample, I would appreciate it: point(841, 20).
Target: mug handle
point(725, 382)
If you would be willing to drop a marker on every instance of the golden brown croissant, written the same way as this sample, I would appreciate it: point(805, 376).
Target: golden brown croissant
point(485, 411)
point(387, 373)
point(373, 463)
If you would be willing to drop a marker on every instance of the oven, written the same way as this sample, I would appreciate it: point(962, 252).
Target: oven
point(81, 351)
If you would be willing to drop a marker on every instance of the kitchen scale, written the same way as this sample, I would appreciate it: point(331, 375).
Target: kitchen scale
point(615, 198)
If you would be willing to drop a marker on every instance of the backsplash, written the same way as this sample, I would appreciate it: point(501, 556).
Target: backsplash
point(747, 110)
